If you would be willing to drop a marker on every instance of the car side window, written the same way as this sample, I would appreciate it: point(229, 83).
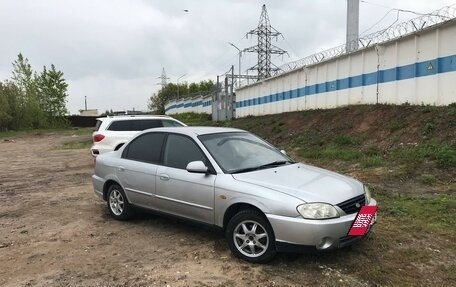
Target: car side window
point(146, 148)
point(140, 125)
point(119, 126)
point(169, 123)
point(180, 150)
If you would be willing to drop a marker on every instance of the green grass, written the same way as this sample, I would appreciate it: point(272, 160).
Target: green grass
point(373, 161)
point(330, 153)
point(427, 179)
point(77, 144)
point(442, 153)
point(65, 131)
point(194, 119)
point(433, 213)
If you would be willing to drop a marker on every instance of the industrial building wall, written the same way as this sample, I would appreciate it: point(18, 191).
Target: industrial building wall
point(416, 69)
point(193, 105)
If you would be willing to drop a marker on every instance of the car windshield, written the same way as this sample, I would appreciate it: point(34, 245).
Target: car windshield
point(238, 152)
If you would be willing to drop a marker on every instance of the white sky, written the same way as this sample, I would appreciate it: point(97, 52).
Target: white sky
point(113, 51)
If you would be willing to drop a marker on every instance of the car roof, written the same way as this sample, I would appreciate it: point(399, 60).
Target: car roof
point(135, 117)
point(195, 130)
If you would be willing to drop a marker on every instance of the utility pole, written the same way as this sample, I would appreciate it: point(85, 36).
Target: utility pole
point(178, 84)
point(265, 49)
point(240, 55)
point(352, 25)
point(85, 102)
point(230, 107)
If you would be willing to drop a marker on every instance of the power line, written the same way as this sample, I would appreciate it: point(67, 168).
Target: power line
point(394, 8)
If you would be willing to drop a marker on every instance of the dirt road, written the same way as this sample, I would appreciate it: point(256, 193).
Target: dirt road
point(55, 232)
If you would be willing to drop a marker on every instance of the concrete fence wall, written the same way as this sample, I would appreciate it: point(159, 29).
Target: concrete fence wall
point(194, 105)
point(416, 69)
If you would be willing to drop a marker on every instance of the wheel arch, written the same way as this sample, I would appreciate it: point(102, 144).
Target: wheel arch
point(106, 187)
point(119, 145)
point(237, 207)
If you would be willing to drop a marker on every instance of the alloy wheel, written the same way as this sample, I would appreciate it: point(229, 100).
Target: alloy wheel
point(116, 202)
point(251, 238)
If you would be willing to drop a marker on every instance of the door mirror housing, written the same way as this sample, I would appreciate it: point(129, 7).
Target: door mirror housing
point(283, 151)
point(197, 167)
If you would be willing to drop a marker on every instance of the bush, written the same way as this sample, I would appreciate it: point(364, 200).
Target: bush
point(446, 157)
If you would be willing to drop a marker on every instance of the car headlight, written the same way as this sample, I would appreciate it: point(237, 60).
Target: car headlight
point(368, 194)
point(317, 210)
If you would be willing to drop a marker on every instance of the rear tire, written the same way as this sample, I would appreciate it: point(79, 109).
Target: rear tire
point(118, 205)
point(250, 237)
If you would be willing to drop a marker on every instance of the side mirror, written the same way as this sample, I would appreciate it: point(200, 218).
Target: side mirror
point(283, 152)
point(197, 167)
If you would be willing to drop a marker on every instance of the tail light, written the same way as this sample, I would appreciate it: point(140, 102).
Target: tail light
point(98, 137)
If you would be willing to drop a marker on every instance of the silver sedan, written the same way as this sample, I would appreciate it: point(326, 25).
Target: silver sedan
point(233, 180)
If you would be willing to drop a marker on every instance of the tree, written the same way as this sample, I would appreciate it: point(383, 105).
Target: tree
point(52, 90)
point(158, 100)
point(28, 103)
point(171, 91)
point(5, 116)
point(30, 100)
point(23, 75)
point(10, 110)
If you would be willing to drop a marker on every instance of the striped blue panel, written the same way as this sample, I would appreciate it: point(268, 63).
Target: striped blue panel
point(420, 69)
point(294, 94)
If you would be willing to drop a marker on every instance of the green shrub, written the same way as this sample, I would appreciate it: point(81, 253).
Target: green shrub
point(373, 161)
point(427, 179)
point(446, 157)
point(429, 127)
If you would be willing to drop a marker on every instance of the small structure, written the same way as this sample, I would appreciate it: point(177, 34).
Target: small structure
point(88, 113)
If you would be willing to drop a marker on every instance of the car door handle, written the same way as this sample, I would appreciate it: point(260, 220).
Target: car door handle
point(164, 177)
point(121, 168)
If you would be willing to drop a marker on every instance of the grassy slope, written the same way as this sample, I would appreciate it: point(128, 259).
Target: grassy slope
point(407, 154)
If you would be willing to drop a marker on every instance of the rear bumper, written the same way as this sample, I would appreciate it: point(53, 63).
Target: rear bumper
point(296, 233)
point(99, 149)
point(98, 184)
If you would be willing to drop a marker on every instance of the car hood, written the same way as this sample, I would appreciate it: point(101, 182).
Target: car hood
point(308, 183)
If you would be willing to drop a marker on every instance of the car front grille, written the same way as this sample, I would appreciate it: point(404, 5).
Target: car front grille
point(350, 206)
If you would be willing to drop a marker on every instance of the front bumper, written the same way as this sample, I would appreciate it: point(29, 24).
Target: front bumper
point(298, 233)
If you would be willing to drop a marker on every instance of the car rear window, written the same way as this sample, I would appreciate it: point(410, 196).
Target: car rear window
point(97, 125)
point(145, 148)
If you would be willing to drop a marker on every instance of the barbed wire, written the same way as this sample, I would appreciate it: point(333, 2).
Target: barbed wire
point(445, 14)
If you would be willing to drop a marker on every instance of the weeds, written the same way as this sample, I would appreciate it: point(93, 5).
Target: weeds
point(77, 144)
point(373, 161)
point(427, 179)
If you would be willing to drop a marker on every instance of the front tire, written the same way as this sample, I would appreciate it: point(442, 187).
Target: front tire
point(250, 237)
point(118, 205)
